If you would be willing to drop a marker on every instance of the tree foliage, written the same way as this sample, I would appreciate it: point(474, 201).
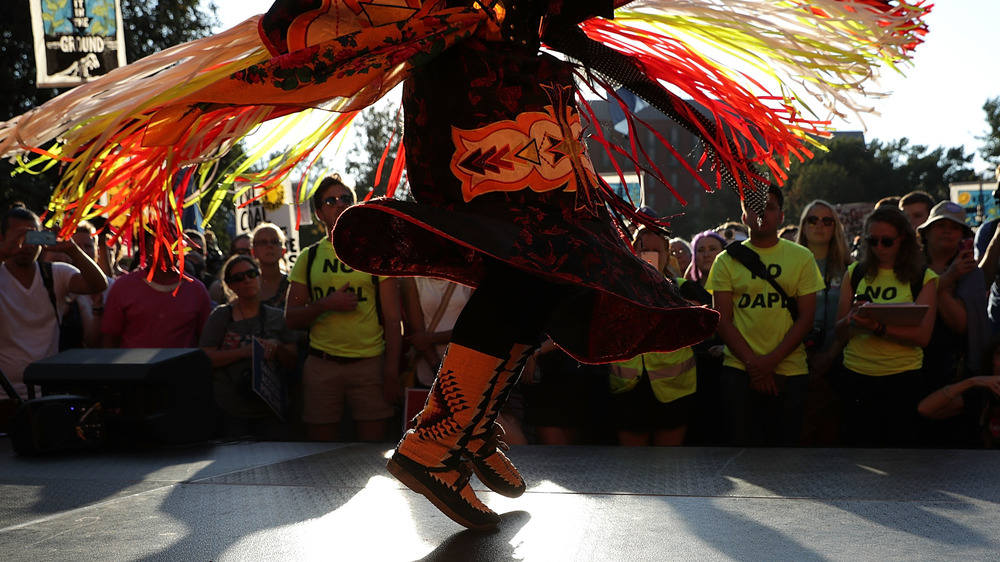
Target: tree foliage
point(149, 25)
point(154, 25)
point(991, 141)
point(376, 127)
point(854, 171)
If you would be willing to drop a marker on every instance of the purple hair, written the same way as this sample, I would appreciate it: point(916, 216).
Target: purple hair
point(693, 273)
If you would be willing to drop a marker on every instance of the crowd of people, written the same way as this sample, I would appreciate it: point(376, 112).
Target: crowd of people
point(886, 339)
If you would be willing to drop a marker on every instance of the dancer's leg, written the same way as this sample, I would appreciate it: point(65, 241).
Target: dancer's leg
point(496, 332)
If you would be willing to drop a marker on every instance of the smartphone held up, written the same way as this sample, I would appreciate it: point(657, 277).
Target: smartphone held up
point(40, 238)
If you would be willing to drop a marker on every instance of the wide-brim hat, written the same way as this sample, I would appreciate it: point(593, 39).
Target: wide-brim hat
point(946, 210)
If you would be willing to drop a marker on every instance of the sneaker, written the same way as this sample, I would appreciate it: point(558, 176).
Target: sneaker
point(447, 487)
point(492, 466)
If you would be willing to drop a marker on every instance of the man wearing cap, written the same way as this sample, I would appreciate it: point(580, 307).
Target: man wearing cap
point(988, 256)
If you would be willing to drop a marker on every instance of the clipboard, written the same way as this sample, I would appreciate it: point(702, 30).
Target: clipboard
point(904, 314)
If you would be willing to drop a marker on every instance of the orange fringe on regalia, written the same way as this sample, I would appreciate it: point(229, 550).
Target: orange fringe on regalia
point(130, 143)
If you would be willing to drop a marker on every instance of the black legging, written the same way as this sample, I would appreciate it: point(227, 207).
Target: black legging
point(508, 307)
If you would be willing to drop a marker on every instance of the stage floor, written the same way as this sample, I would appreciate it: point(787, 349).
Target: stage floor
point(305, 501)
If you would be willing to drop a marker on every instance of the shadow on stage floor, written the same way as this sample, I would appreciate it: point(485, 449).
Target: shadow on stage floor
point(309, 501)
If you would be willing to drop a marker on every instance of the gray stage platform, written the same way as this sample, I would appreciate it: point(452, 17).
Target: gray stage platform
point(301, 501)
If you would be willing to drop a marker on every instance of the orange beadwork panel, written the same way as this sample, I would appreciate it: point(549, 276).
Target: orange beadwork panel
point(542, 151)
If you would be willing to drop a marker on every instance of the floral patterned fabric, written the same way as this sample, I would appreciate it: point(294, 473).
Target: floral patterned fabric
point(335, 56)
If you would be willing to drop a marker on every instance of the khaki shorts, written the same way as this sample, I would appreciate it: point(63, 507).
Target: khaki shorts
point(328, 385)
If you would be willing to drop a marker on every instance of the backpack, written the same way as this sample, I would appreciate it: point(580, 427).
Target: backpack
point(71, 326)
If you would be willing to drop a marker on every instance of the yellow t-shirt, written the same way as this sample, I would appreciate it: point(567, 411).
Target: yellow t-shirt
point(871, 355)
point(758, 311)
point(355, 333)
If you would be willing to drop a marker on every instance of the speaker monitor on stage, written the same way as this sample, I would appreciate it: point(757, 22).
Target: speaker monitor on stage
point(141, 396)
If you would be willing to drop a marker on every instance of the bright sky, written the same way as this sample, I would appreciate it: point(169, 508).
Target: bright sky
point(939, 101)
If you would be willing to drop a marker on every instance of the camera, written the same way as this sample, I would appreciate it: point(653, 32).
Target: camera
point(40, 238)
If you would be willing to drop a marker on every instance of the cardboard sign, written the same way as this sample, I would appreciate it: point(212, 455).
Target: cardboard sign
point(267, 382)
point(977, 200)
point(250, 213)
point(76, 41)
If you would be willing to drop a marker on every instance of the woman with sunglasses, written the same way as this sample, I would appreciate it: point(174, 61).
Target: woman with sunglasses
point(267, 244)
point(228, 340)
point(355, 336)
point(821, 231)
point(240, 246)
point(883, 362)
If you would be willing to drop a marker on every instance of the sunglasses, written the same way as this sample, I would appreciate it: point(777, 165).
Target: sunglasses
point(267, 242)
point(241, 276)
point(242, 251)
point(345, 199)
point(886, 241)
point(827, 221)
